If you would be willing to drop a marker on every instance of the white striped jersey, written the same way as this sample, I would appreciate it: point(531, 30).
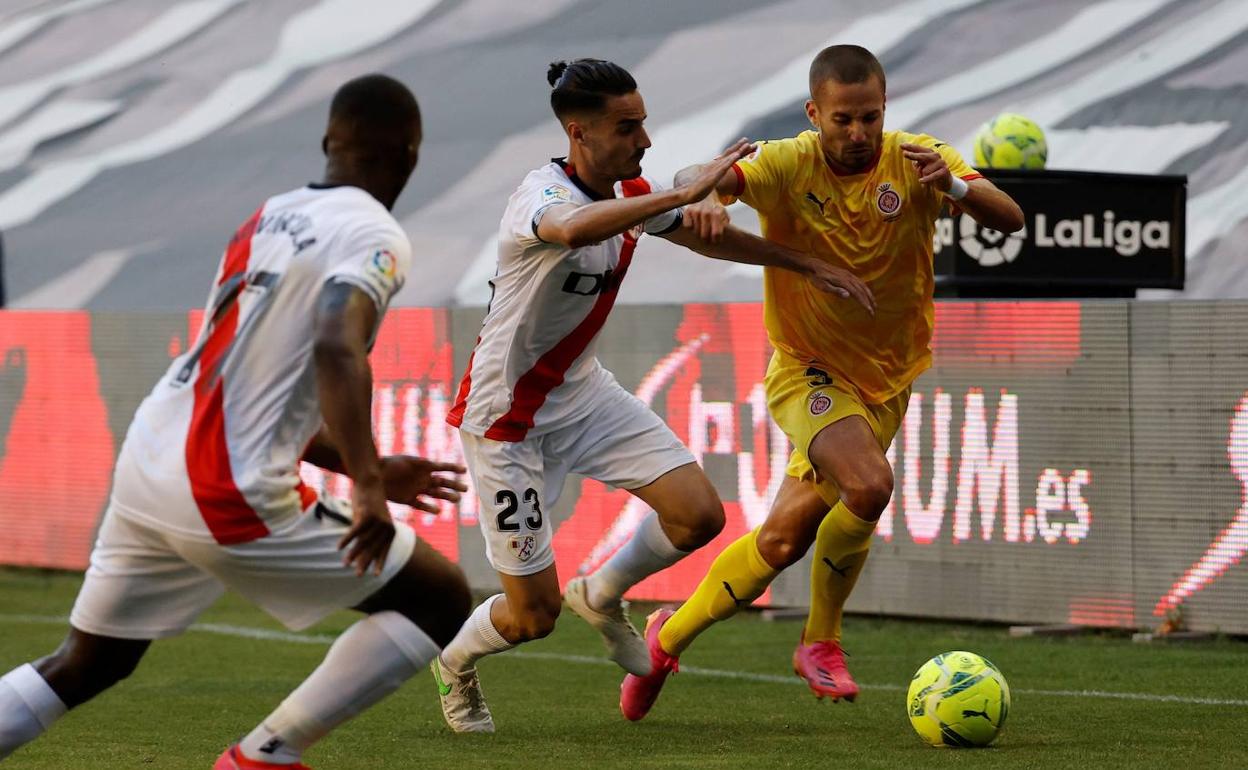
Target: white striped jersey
point(213, 452)
point(536, 353)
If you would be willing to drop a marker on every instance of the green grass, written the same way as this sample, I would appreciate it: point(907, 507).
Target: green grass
point(195, 694)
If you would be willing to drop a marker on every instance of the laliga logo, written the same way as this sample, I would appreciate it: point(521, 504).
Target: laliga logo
point(989, 247)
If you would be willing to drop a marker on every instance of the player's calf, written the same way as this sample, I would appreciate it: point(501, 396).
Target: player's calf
point(33, 696)
point(86, 665)
point(430, 591)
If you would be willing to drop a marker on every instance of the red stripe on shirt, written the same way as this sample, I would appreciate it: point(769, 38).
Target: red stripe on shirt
point(456, 415)
point(307, 495)
point(740, 180)
point(547, 374)
point(226, 512)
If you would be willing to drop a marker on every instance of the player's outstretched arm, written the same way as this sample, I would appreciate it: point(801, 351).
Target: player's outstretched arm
point(736, 245)
point(987, 204)
point(576, 226)
point(408, 479)
point(345, 319)
point(708, 217)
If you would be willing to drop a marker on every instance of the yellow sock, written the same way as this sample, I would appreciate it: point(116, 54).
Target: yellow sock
point(841, 549)
point(737, 577)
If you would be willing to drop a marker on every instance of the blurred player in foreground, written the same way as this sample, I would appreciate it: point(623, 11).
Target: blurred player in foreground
point(535, 404)
point(207, 492)
point(863, 199)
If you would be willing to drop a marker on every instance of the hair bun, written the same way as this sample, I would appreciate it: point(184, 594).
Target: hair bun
point(557, 68)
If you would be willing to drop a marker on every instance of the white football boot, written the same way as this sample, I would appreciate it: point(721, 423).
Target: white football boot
point(624, 645)
point(463, 704)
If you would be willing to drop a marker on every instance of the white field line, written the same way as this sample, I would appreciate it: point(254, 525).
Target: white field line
point(248, 632)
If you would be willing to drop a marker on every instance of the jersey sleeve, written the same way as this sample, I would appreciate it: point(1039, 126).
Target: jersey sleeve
point(528, 204)
point(763, 174)
point(375, 260)
point(957, 164)
point(659, 224)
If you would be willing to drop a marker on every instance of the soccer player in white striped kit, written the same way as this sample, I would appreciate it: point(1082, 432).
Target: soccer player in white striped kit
point(535, 404)
point(207, 492)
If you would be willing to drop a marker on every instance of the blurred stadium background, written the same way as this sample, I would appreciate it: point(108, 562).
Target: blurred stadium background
point(134, 133)
point(1071, 461)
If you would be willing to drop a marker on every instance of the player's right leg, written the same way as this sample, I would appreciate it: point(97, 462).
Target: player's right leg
point(136, 589)
point(514, 486)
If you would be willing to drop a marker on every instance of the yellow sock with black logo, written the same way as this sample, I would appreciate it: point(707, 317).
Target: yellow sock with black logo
point(737, 577)
point(841, 549)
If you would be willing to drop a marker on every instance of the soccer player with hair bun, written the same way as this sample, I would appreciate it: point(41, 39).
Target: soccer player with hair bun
point(535, 404)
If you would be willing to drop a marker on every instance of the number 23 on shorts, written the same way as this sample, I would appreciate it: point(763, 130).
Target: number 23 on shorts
point(510, 503)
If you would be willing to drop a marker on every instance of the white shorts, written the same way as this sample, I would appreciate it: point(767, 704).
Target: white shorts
point(146, 583)
point(620, 442)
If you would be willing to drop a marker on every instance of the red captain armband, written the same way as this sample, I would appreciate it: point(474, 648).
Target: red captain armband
point(740, 180)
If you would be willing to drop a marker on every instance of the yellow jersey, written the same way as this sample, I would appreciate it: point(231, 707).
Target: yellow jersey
point(878, 224)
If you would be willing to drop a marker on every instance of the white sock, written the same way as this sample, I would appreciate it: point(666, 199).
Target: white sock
point(368, 662)
point(28, 707)
point(646, 552)
point(475, 640)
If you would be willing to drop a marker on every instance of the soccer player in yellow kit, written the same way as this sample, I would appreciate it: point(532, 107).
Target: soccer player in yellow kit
point(864, 199)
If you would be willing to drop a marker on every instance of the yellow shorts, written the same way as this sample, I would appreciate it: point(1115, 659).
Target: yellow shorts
point(804, 400)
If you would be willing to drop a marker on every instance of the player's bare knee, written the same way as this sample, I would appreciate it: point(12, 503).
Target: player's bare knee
point(711, 520)
point(868, 496)
point(538, 621)
point(700, 526)
point(780, 549)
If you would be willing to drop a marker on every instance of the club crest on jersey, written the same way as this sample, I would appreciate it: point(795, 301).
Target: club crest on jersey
point(888, 200)
point(556, 192)
point(820, 402)
point(522, 546)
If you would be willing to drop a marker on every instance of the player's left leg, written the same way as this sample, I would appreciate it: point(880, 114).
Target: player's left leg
point(626, 445)
point(137, 588)
point(849, 458)
point(686, 515)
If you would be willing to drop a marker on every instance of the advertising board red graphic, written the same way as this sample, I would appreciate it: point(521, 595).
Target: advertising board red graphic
point(56, 448)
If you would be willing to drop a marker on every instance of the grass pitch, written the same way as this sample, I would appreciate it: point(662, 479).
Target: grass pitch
point(735, 704)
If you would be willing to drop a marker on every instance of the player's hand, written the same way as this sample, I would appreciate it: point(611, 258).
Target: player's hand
point(929, 164)
point(409, 480)
point(836, 280)
point(372, 531)
point(707, 218)
point(706, 180)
